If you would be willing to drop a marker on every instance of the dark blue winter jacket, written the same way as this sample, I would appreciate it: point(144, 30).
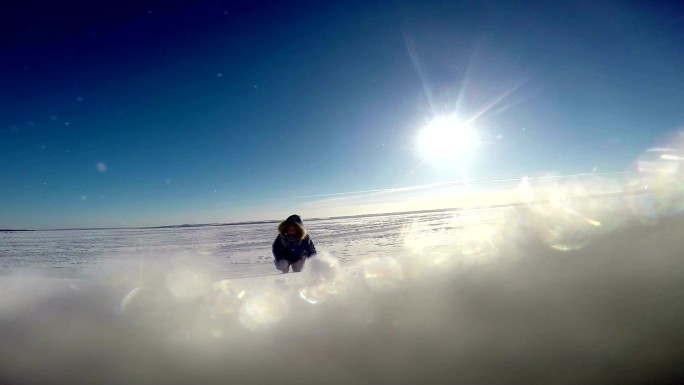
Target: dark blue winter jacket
point(292, 249)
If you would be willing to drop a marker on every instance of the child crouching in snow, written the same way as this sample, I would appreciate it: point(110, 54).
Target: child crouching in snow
point(293, 245)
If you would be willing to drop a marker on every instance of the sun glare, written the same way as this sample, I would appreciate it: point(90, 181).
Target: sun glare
point(446, 138)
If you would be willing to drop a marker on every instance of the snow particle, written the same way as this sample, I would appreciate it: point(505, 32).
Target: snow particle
point(186, 284)
point(263, 310)
point(101, 167)
point(219, 75)
point(382, 273)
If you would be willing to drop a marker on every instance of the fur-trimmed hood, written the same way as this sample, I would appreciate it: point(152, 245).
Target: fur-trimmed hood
point(296, 221)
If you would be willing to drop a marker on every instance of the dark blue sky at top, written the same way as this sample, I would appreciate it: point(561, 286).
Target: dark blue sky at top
point(209, 111)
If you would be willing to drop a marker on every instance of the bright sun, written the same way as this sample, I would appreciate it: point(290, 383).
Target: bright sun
point(446, 138)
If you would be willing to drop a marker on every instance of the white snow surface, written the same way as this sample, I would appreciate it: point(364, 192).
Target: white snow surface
point(578, 291)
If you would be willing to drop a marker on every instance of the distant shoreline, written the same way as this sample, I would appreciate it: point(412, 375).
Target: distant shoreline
point(446, 209)
point(13, 230)
point(268, 220)
point(242, 223)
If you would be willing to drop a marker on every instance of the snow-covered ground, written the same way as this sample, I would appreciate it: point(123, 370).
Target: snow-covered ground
point(568, 291)
point(240, 249)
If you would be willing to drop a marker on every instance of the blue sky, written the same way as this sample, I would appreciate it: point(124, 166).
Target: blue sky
point(155, 113)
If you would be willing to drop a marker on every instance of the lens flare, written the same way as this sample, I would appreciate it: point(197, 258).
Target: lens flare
point(229, 296)
point(316, 294)
point(129, 298)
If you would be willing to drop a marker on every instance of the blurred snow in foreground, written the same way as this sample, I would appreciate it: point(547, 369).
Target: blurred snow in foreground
point(578, 283)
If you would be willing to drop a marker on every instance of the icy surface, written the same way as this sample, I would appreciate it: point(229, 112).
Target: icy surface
point(240, 249)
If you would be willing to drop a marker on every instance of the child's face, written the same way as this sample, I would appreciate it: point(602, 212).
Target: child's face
point(291, 230)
